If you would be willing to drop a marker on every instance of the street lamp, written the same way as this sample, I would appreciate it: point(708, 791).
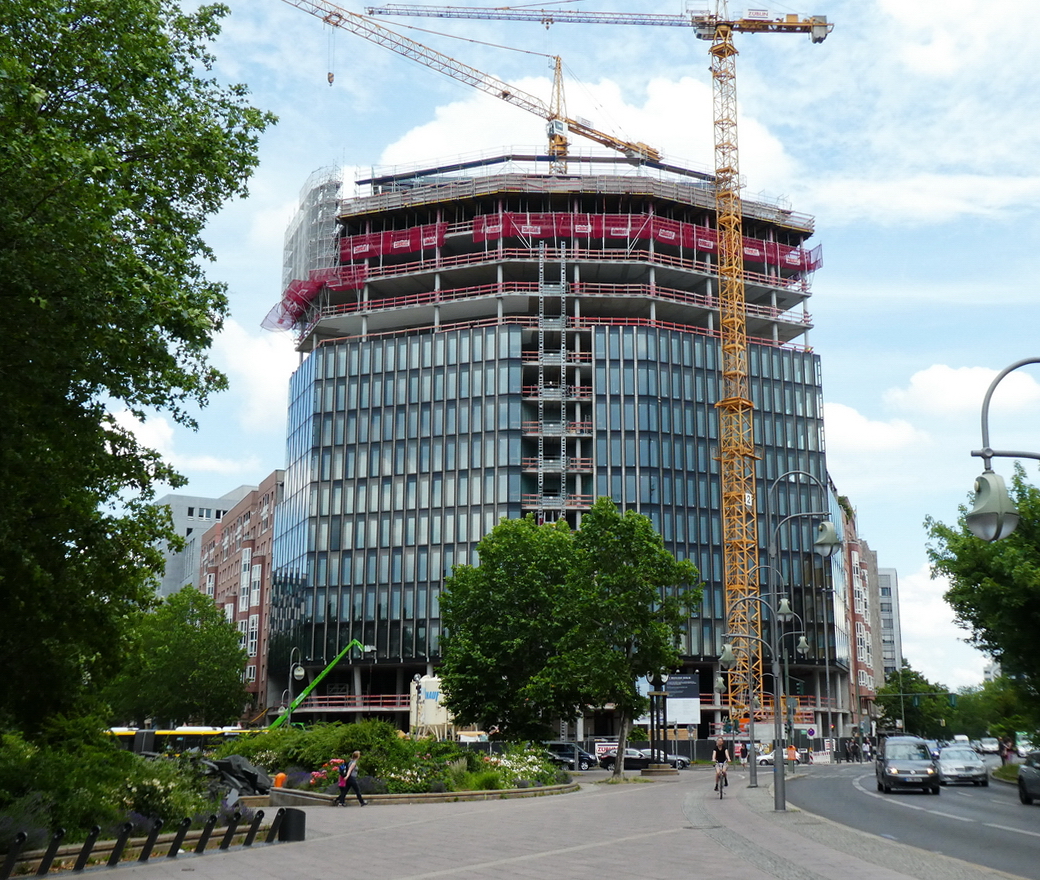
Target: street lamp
point(296, 673)
point(658, 718)
point(826, 544)
point(994, 515)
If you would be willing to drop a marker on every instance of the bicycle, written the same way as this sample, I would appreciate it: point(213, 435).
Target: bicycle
point(721, 778)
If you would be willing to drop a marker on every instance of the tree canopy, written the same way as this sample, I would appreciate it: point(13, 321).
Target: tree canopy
point(117, 146)
point(553, 621)
point(185, 665)
point(922, 706)
point(995, 587)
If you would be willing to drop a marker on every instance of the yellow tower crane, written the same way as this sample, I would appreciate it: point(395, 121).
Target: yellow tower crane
point(555, 113)
point(736, 425)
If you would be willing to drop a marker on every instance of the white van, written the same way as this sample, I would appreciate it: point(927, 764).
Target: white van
point(961, 739)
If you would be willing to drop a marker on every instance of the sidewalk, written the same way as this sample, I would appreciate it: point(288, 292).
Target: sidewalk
point(666, 829)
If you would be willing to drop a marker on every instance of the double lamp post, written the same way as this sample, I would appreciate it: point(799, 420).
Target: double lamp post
point(779, 611)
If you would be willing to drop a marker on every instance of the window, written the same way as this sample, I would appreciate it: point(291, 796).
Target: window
point(250, 674)
point(254, 634)
point(254, 586)
point(242, 633)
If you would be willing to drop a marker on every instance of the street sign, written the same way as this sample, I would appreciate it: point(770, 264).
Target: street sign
point(811, 731)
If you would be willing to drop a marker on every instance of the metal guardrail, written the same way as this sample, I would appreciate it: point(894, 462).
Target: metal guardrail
point(14, 858)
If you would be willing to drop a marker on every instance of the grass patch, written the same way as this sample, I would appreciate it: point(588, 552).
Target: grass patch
point(1008, 773)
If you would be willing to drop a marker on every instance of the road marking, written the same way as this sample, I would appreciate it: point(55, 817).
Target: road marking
point(1008, 828)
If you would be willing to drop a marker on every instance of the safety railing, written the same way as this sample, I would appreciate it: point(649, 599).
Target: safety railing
point(91, 851)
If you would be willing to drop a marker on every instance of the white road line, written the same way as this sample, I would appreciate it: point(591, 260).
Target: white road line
point(1008, 828)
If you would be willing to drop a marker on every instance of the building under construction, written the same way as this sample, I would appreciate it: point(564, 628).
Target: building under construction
point(485, 339)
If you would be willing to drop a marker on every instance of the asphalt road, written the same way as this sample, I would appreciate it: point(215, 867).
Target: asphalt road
point(987, 826)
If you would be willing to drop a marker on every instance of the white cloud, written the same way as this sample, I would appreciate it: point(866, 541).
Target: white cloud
point(915, 198)
point(258, 366)
point(159, 434)
point(932, 643)
point(941, 390)
point(850, 432)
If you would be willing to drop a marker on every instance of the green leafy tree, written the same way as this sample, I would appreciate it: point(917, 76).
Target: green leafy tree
point(1001, 708)
point(637, 599)
point(117, 146)
point(505, 623)
point(186, 666)
point(995, 587)
point(923, 706)
point(553, 621)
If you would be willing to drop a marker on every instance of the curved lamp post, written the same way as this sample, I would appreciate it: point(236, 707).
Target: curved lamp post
point(826, 544)
point(994, 515)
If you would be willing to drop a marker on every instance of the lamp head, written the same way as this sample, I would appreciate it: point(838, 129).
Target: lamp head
point(720, 684)
point(994, 515)
point(827, 542)
point(298, 672)
point(783, 610)
point(802, 647)
point(727, 658)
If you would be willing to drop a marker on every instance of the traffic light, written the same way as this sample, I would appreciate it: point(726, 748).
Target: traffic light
point(915, 701)
point(953, 700)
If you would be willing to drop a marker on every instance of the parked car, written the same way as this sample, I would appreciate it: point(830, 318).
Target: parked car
point(1029, 778)
point(958, 764)
point(562, 754)
point(677, 761)
point(634, 760)
point(906, 762)
point(989, 745)
point(768, 759)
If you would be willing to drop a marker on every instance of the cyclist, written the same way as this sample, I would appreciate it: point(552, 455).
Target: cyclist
point(721, 758)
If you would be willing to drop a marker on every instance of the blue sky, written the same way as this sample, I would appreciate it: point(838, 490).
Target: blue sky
point(912, 135)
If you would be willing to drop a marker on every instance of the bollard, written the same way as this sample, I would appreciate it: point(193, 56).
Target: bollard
point(16, 847)
point(230, 833)
point(178, 841)
point(207, 830)
point(88, 847)
point(276, 825)
point(48, 857)
point(117, 850)
point(294, 825)
point(149, 844)
point(254, 828)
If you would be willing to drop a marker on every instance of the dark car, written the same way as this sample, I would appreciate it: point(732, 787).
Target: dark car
point(1029, 778)
point(563, 754)
point(906, 762)
point(634, 760)
point(677, 761)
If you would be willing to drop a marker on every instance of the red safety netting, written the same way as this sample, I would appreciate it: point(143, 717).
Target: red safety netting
point(490, 227)
point(400, 241)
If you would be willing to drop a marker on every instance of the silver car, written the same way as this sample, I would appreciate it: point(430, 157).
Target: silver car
point(961, 764)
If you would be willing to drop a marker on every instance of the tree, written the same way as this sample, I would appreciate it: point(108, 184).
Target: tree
point(117, 147)
point(924, 707)
point(186, 665)
point(995, 587)
point(638, 598)
point(505, 621)
point(553, 621)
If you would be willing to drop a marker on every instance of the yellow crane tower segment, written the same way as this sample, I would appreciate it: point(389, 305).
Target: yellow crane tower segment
point(559, 124)
point(736, 424)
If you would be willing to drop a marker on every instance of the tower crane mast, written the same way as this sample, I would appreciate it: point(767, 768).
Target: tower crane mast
point(555, 113)
point(736, 424)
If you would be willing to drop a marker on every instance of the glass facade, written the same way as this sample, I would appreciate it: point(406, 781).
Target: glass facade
point(487, 374)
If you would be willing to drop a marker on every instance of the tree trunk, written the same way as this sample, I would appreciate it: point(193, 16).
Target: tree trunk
point(622, 744)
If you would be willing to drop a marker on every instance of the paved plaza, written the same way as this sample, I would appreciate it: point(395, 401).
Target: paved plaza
point(665, 829)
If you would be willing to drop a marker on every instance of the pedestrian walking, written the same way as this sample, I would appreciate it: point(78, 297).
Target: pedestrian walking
point(348, 781)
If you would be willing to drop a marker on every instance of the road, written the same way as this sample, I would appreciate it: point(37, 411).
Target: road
point(986, 826)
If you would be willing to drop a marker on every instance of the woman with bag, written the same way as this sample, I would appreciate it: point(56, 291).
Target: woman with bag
point(348, 781)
